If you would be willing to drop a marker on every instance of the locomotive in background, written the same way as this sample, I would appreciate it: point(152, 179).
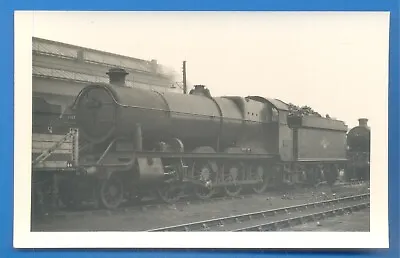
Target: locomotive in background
point(169, 143)
point(358, 142)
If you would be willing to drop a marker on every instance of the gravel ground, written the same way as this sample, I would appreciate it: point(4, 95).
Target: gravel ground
point(136, 220)
point(357, 221)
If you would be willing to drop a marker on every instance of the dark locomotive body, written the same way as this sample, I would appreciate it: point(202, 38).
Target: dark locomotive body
point(171, 142)
point(140, 140)
point(358, 142)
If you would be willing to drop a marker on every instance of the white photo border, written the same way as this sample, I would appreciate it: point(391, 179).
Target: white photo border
point(378, 237)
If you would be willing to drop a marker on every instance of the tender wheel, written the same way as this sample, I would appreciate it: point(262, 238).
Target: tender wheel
point(205, 174)
point(259, 173)
point(233, 173)
point(69, 202)
point(111, 193)
point(313, 175)
point(331, 174)
point(169, 193)
point(362, 174)
point(349, 174)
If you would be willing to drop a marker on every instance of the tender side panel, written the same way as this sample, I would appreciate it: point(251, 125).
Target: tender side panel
point(317, 122)
point(314, 144)
point(323, 123)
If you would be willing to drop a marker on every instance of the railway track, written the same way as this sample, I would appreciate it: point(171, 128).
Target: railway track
point(152, 204)
point(277, 219)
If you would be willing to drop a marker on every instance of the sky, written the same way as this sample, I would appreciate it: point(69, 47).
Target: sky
point(337, 63)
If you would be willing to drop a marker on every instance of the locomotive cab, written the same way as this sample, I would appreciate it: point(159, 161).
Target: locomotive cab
point(279, 120)
point(275, 124)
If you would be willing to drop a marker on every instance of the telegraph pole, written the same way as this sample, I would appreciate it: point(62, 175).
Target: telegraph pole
point(184, 78)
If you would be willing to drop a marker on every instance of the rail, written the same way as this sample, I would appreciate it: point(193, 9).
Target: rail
point(299, 220)
point(207, 225)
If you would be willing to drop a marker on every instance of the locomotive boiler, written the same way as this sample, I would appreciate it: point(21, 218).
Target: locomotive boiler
point(358, 138)
point(170, 142)
point(106, 111)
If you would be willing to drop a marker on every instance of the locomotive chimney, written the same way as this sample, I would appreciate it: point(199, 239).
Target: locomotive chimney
point(117, 76)
point(363, 122)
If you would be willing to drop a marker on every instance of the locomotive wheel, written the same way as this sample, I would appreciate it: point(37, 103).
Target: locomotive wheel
point(169, 193)
point(38, 209)
point(69, 202)
point(204, 173)
point(68, 196)
point(233, 173)
point(260, 173)
point(203, 193)
point(111, 193)
point(134, 197)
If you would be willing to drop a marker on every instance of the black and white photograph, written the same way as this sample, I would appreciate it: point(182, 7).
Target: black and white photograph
point(129, 124)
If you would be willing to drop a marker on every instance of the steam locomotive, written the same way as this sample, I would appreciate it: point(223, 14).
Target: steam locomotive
point(358, 142)
point(169, 143)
